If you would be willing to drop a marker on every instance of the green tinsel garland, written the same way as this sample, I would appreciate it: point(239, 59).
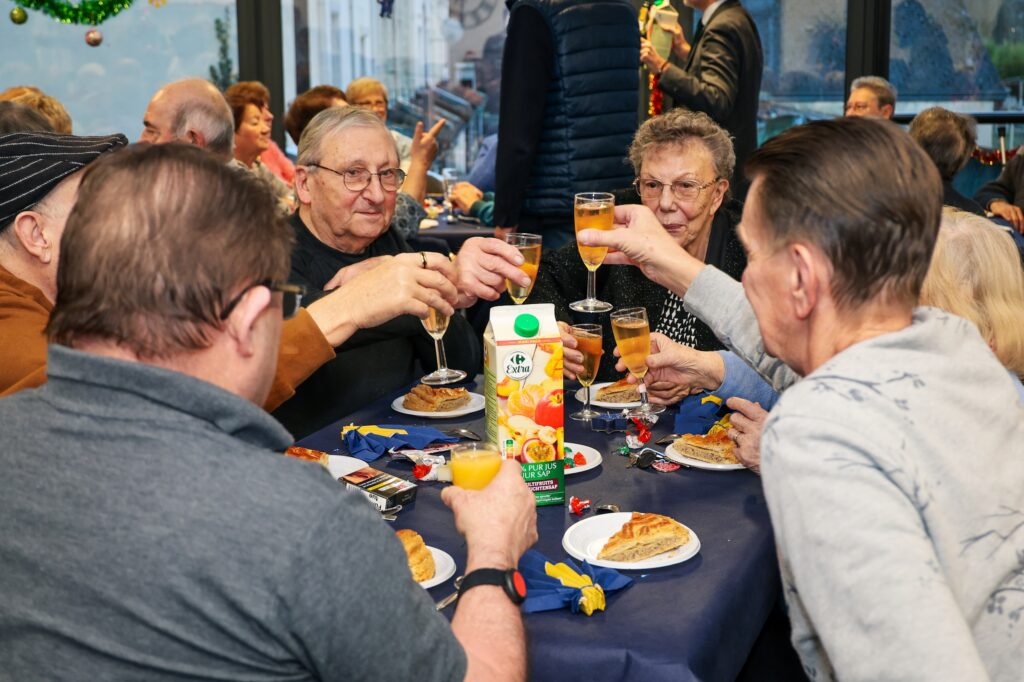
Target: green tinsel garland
point(92, 12)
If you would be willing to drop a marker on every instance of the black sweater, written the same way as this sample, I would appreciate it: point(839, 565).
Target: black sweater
point(373, 362)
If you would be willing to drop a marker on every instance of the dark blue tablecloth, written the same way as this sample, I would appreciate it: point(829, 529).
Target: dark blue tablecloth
point(694, 621)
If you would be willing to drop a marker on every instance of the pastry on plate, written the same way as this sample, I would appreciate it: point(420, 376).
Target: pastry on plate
point(425, 398)
point(620, 392)
point(421, 561)
point(714, 447)
point(307, 454)
point(644, 536)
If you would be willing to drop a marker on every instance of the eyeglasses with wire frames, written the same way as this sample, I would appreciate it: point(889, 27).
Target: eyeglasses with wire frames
point(683, 190)
point(357, 179)
point(291, 300)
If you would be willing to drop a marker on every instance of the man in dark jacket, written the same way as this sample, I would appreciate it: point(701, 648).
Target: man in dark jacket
point(1004, 196)
point(569, 88)
point(720, 74)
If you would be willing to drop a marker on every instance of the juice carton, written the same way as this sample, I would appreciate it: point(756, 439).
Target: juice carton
point(525, 398)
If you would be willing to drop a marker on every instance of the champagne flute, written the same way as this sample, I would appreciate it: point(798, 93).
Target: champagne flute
point(588, 341)
point(436, 325)
point(593, 211)
point(633, 337)
point(529, 246)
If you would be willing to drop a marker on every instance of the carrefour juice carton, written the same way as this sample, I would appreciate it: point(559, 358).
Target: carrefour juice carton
point(525, 399)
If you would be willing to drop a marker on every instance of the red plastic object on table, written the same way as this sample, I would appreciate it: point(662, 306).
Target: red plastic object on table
point(578, 506)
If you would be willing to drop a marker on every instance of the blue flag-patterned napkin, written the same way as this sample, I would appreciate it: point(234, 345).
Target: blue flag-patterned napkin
point(698, 413)
point(370, 442)
point(551, 586)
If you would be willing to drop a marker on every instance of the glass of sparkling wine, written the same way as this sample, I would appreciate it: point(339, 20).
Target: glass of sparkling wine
point(588, 341)
point(436, 325)
point(593, 211)
point(529, 246)
point(633, 337)
point(474, 465)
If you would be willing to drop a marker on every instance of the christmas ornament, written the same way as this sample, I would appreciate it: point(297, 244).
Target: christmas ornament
point(90, 12)
point(19, 15)
point(992, 157)
point(93, 37)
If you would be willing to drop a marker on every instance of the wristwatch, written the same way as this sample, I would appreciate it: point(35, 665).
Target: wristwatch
point(510, 580)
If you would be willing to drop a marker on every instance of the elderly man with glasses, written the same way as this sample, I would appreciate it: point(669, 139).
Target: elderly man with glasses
point(347, 178)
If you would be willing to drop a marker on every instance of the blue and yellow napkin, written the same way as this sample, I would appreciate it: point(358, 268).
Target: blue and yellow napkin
point(370, 442)
point(698, 413)
point(551, 586)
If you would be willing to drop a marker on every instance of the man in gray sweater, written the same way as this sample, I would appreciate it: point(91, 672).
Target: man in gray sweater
point(894, 469)
point(152, 529)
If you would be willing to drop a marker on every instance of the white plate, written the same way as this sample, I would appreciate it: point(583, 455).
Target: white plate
point(679, 458)
point(343, 465)
point(592, 455)
point(476, 403)
point(581, 396)
point(444, 568)
point(585, 539)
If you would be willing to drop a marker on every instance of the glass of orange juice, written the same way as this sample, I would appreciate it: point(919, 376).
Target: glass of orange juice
point(474, 465)
point(593, 211)
point(633, 337)
point(529, 246)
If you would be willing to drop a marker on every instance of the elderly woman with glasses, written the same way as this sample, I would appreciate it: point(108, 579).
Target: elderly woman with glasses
point(347, 180)
point(682, 161)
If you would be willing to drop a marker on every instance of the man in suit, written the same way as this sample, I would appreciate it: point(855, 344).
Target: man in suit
point(719, 73)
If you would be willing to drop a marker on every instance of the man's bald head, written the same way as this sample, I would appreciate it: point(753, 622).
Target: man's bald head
point(193, 111)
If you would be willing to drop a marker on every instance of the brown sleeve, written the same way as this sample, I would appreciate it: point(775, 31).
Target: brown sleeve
point(22, 343)
point(303, 350)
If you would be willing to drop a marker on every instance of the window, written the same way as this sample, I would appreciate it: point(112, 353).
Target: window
point(804, 43)
point(106, 88)
point(964, 56)
point(429, 60)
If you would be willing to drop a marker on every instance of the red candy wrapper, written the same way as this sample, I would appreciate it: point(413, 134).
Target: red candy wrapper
point(421, 470)
point(578, 506)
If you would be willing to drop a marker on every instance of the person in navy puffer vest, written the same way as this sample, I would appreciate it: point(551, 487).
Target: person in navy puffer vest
point(569, 88)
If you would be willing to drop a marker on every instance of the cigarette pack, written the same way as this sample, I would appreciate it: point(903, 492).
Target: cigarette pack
point(384, 490)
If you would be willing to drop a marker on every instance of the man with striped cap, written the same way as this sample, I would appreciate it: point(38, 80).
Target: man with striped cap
point(39, 176)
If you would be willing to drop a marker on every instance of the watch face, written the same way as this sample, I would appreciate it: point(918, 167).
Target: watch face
point(519, 584)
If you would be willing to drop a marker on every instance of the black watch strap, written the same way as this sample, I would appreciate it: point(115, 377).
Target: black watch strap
point(510, 580)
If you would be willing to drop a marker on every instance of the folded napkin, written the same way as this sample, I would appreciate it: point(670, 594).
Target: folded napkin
point(698, 413)
point(370, 442)
point(552, 586)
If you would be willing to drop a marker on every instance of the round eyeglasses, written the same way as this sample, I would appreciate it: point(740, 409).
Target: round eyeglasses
point(683, 190)
point(358, 179)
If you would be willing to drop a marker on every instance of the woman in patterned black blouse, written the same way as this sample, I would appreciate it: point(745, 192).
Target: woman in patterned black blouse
point(683, 161)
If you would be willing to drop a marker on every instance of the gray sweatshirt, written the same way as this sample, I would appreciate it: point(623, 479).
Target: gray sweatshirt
point(894, 474)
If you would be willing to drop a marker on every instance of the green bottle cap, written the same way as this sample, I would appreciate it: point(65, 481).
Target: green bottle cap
point(526, 326)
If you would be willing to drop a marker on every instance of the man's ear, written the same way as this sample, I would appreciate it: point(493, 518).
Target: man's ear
point(887, 110)
point(196, 138)
point(302, 180)
point(30, 229)
point(242, 321)
point(805, 281)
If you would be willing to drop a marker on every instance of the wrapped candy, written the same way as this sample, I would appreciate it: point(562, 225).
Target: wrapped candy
point(578, 506)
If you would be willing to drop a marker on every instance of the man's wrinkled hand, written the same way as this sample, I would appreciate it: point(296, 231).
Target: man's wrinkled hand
point(484, 263)
point(498, 522)
point(747, 424)
point(1010, 212)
